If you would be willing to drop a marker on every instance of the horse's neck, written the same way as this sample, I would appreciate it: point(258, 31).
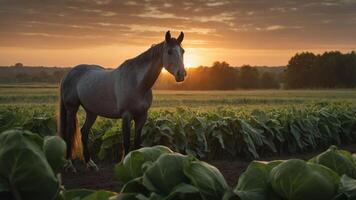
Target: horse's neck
point(151, 71)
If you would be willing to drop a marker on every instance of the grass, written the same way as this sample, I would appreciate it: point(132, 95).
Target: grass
point(36, 94)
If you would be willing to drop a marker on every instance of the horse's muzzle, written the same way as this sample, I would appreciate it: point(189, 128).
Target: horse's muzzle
point(180, 76)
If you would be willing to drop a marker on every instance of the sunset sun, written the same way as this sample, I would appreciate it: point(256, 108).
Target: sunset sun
point(192, 58)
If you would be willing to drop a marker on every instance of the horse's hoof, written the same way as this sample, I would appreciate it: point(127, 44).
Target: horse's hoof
point(70, 167)
point(91, 165)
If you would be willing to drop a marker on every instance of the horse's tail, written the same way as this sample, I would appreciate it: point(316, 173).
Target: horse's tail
point(68, 129)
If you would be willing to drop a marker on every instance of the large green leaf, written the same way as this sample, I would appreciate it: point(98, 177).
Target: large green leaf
point(254, 183)
point(165, 174)
point(206, 178)
point(337, 160)
point(348, 187)
point(24, 166)
point(131, 166)
point(184, 191)
point(85, 194)
point(297, 180)
point(55, 150)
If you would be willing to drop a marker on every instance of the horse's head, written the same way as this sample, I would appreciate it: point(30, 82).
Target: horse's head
point(173, 56)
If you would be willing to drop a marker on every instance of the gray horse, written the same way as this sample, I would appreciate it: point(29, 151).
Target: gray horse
point(124, 92)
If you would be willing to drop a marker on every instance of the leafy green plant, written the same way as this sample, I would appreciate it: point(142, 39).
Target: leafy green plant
point(297, 180)
point(24, 170)
point(132, 166)
point(339, 161)
point(255, 184)
point(55, 149)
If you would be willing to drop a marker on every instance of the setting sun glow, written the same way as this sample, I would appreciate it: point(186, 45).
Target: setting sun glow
point(192, 58)
point(107, 32)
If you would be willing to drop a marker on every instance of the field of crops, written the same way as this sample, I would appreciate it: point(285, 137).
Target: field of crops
point(48, 94)
point(29, 166)
point(230, 126)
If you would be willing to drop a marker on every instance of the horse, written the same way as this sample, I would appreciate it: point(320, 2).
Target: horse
point(124, 92)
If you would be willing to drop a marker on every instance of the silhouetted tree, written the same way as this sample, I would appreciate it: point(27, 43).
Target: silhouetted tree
point(18, 65)
point(300, 70)
point(329, 70)
point(268, 81)
point(248, 77)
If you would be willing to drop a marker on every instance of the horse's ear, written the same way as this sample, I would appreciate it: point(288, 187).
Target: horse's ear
point(168, 36)
point(180, 37)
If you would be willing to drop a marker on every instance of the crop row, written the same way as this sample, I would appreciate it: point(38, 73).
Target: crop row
point(30, 164)
point(216, 133)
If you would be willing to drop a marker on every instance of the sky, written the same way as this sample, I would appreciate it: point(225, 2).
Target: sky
point(107, 32)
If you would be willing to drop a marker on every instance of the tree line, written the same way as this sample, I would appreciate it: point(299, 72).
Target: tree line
point(221, 76)
point(328, 70)
point(304, 70)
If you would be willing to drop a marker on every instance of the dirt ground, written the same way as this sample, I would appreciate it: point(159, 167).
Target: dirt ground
point(105, 179)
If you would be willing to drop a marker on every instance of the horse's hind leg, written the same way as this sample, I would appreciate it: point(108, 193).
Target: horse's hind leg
point(71, 133)
point(85, 130)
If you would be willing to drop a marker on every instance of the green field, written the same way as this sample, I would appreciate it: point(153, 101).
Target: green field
point(223, 126)
point(202, 117)
point(48, 94)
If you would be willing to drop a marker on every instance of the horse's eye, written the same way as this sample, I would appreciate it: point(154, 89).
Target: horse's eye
point(169, 51)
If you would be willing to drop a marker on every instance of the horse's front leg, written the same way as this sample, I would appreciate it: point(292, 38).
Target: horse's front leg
point(139, 123)
point(126, 128)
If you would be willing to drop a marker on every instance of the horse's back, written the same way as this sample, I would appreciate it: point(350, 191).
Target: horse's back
point(71, 81)
point(94, 88)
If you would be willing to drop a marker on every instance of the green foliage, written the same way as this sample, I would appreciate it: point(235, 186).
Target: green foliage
point(24, 170)
point(173, 177)
point(254, 183)
point(165, 174)
point(213, 133)
point(84, 194)
point(328, 70)
point(132, 166)
point(298, 180)
point(347, 187)
point(41, 124)
point(55, 150)
point(338, 160)
point(206, 178)
point(225, 133)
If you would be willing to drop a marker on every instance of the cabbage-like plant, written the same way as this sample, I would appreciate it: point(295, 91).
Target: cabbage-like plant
point(165, 174)
point(254, 183)
point(347, 187)
point(339, 161)
point(207, 178)
point(55, 149)
point(24, 170)
point(131, 166)
point(298, 180)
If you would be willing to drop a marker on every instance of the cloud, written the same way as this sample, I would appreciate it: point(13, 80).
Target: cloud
point(208, 23)
point(275, 27)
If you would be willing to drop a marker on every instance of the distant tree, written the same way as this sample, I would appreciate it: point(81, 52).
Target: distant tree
point(18, 65)
point(300, 70)
point(223, 77)
point(268, 81)
point(22, 77)
point(42, 76)
point(58, 75)
point(329, 70)
point(248, 77)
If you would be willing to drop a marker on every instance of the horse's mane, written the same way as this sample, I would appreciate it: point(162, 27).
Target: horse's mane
point(153, 51)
